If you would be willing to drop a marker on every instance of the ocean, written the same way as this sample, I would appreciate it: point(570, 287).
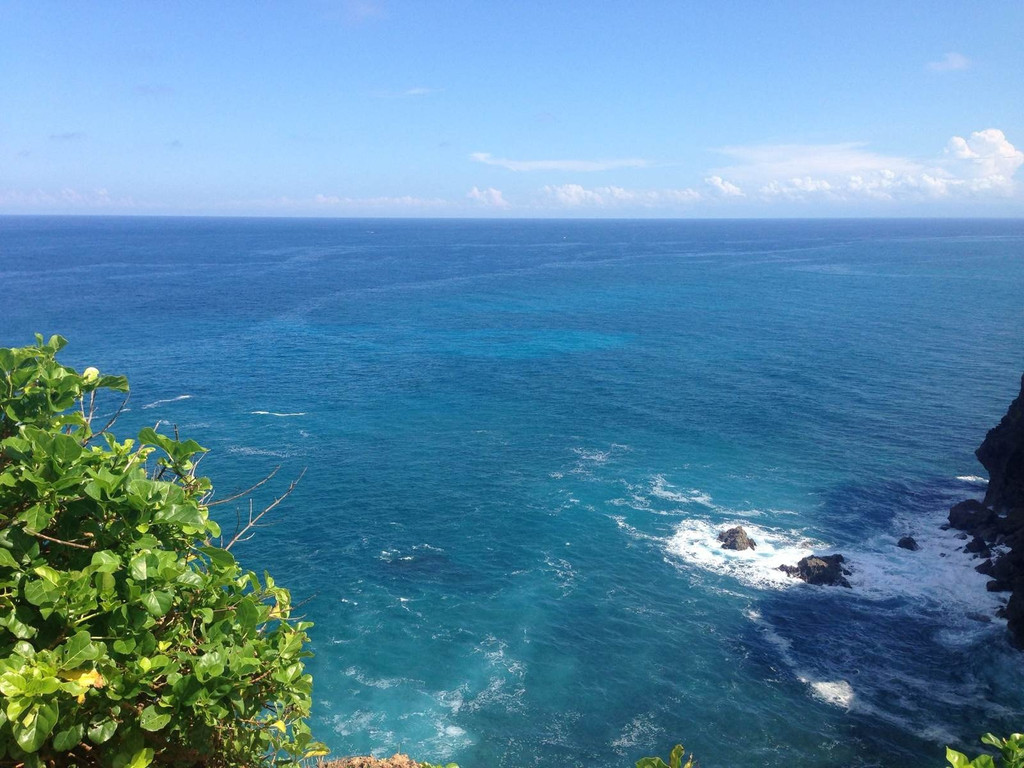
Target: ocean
point(522, 438)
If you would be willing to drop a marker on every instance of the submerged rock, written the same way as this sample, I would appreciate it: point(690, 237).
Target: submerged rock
point(823, 570)
point(908, 542)
point(736, 538)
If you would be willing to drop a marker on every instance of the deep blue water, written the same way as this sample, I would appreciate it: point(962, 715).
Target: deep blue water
point(522, 437)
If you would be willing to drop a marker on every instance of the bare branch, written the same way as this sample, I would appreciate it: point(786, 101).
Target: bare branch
point(110, 423)
point(61, 541)
point(255, 519)
point(247, 491)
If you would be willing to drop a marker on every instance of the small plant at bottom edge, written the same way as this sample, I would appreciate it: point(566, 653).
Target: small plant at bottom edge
point(1011, 751)
point(675, 760)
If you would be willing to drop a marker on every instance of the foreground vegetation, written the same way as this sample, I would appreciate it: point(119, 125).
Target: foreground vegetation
point(128, 638)
point(129, 635)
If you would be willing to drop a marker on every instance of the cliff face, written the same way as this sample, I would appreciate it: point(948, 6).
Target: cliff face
point(1000, 519)
point(1002, 454)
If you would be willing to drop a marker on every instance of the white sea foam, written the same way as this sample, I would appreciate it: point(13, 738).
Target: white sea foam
point(155, 403)
point(696, 543)
point(972, 479)
point(245, 450)
point(937, 580)
point(662, 489)
point(275, 413)
point(641, 731)
point(382, 683)
point(564, 574)
point(838, 693)
point(598, 457)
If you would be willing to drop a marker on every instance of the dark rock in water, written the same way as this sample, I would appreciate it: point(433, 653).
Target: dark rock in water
point(907, 542)
point(1002, 454)
point(980, 617)
point(1015, 616)
point(970, 515)
point(977, 546)
point(1003, 567)
point(999, 585)
point(736, 538)
point(824, 570)
point(985, 568)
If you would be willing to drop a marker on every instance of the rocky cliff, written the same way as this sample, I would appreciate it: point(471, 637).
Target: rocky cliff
point(1002, 454)
point(999, 520)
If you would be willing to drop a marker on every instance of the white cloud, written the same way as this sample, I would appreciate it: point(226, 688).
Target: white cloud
point(985, 154)
point(723, 187)
point(557, 165)
point(786, 161)
point(490, 197)
point(578, 196)
point(400, 201)
point(66, 199)
point(950, 62)
point(982, 165)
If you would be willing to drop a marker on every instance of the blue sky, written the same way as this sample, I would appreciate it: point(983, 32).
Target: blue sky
point(524, 109)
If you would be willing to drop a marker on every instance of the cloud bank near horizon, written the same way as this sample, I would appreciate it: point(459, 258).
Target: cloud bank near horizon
point(978, 168)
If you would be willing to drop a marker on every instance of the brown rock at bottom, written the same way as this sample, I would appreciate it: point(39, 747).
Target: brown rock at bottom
point(397, 760)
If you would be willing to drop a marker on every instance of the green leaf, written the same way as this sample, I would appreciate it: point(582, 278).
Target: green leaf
point(36, 518)
point(66, 449)
point(153, 719)
point(7, 559)
point(158, 602)
point(12, 684)
point(40, 592)
point(957, 759)
point(675, 759)
point(105, 561)
point(209, 665)
point(219, 557)
point(141, 759)
point(983, 761)
point(80, 649)
point(101, 731)
point(69, 738)
point(124, 645)
point(32, 728)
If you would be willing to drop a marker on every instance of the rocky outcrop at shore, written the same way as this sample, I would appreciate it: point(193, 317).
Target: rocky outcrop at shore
point(736, 538)
point(823, 570)
point(999, 519)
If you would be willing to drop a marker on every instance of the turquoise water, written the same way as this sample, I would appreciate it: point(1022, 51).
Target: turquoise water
point(522, 438)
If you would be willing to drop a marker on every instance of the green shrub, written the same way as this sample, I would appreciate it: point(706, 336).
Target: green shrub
point(127, 638)
point(1011, 753)
point(675, 760)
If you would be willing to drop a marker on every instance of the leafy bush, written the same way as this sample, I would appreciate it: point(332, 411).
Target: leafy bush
point(675, 760)
point(1011, 753)
point(127, 638)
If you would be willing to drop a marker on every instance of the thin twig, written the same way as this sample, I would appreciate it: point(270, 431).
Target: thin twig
point(110, 423)
point(247, 491)
point(254, 519)
point(61, 541)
